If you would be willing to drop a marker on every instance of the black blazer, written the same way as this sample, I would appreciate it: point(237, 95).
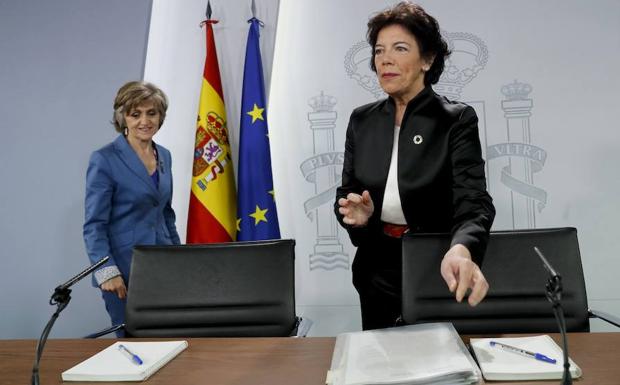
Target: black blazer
point(441, 178)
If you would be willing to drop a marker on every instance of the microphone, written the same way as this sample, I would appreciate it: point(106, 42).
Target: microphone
point(60, 297)
point(161, 166)
point(546, 264)
point(554, 295)
point(60, 289)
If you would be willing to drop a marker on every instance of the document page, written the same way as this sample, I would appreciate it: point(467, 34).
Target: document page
point(405, 355)
point(111, 364)
point(501, 364)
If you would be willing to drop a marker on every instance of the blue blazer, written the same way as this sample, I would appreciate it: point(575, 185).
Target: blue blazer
point(123, 207)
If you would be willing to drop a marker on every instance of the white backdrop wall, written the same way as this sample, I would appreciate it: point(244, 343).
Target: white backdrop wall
point(539, 74)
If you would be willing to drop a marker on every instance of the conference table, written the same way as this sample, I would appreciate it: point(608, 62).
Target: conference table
point(264, 361)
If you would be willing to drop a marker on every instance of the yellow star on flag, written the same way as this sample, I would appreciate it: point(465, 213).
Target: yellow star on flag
point(238, 224)
point(273, 194)
point(256, 113)
point(259, 215)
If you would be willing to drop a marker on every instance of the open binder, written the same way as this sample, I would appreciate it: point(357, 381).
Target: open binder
point(409, 355)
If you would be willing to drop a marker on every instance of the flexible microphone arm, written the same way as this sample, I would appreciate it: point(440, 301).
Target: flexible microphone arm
point(60, 297)
point(554, 295)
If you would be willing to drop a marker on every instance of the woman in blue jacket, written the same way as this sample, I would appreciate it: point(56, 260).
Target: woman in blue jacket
point(128, 192)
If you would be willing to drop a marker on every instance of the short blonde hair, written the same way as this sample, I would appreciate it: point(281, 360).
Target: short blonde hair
point(133, 94)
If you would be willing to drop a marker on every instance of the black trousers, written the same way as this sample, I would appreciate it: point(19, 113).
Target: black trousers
point(377, 277)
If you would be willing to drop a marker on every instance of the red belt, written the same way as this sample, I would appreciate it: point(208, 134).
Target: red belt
point(394, 231)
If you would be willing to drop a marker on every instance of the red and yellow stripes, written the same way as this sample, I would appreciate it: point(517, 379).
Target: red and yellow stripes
point(212, 205)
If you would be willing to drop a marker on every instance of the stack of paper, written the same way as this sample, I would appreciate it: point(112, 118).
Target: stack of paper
point(408, 355)
point(505, 365)
point(112, 364)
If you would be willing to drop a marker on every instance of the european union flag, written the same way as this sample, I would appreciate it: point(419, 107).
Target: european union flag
point(256, 207)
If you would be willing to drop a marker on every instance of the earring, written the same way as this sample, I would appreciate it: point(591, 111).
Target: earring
point(126, 131)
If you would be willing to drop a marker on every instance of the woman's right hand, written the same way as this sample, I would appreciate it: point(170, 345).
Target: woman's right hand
point(356, 208)
point(116, 285)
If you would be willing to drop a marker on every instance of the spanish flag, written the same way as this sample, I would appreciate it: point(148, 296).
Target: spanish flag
point(212, 204)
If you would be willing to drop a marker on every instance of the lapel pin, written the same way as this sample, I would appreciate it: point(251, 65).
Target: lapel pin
point(417, 139)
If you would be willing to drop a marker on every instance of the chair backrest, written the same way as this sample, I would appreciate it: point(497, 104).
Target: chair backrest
point(214, 290)
point(516, 301)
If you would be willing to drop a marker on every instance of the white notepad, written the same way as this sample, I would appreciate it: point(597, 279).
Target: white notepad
point(111, 364)
point(501, 365)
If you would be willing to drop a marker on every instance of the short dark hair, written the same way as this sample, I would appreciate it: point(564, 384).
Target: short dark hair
point(422, 26)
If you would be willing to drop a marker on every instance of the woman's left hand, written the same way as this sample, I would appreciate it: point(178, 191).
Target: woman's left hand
point(461, 274)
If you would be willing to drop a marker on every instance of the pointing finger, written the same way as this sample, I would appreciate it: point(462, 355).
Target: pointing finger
point(464, 280)
point(480, 288)
point(448, 276)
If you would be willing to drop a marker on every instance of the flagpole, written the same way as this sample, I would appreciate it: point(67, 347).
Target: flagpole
point(256, 205)
point(213, 201)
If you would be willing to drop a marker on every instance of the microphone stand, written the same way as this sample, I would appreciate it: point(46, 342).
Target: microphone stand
point(554, 295)
point(60, 297)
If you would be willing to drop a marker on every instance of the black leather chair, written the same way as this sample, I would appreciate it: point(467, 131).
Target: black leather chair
point(239, 289)
point(516, 301)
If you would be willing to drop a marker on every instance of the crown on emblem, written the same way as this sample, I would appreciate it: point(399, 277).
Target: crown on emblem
point(322, 103)
point(357, 66)
point(516, 90)
point(469, 56)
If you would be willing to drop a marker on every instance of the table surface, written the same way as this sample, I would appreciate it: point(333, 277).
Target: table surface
point(268, 361)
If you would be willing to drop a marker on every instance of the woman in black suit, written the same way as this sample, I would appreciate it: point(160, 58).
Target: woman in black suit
point(412, 163)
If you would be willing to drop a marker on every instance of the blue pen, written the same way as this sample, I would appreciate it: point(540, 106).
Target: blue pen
point(133, 357)
point(523, 352)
